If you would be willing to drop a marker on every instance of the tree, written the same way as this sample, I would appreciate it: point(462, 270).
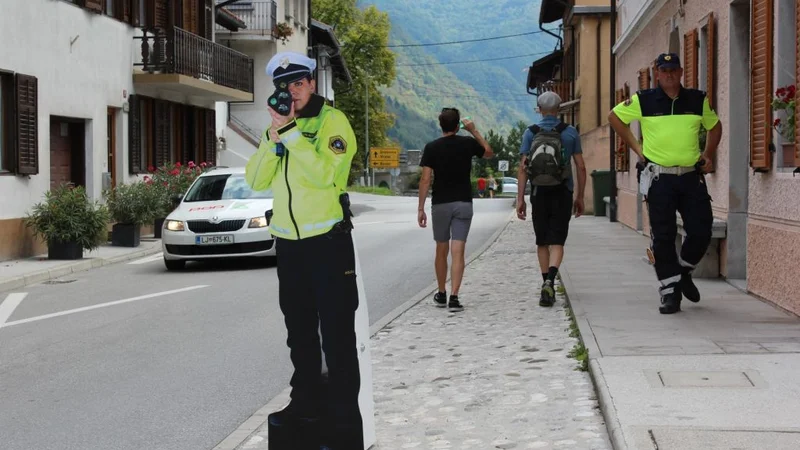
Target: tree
point(513, 144)
point(364, 36)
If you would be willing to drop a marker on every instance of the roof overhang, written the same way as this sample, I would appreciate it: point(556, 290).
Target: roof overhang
point(586, 10)
point(323, 34)
point(552, 11)
point(543, 69)
point(229, 20)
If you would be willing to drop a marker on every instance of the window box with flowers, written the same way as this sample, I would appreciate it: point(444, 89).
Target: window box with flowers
point(784, 100)
point(282, 31)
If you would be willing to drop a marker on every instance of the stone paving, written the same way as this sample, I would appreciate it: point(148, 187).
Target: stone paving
point(496, 375)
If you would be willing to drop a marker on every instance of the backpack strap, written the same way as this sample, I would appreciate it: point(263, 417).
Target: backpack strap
point(534, 128)
point(561, 127)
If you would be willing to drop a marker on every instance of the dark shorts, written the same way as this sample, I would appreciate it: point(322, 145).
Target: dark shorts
point(551, 213)
point(451, 221)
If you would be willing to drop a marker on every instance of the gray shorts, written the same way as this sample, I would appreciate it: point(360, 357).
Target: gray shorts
point(452, 218)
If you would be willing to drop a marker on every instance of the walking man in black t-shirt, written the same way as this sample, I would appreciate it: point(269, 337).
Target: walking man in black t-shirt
point(449, 159)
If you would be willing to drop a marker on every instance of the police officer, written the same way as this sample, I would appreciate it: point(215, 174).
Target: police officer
point(671, 173)
point(316, 259)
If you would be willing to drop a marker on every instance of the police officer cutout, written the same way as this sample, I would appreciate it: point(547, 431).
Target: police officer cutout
point(671, 173)
point(316, 260)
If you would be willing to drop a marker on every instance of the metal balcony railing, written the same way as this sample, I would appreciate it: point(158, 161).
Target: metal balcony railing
point(260, 17)
point(176, 50)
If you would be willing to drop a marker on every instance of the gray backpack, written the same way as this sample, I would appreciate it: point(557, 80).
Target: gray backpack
point(547, 165)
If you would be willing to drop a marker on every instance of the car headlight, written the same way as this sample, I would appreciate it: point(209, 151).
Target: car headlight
point(174, 225)
point(258, 222)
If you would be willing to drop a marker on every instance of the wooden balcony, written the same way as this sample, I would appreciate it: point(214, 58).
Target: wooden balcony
point(179, 61)
point(562, 88)
point(259, 18)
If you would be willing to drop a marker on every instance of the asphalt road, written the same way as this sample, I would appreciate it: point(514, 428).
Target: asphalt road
point(131, 356)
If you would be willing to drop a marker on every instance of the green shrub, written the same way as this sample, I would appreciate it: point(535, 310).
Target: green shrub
point(67, 215)
point(133, 204)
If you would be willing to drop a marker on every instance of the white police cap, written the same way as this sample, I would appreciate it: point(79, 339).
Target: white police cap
point(290, 66)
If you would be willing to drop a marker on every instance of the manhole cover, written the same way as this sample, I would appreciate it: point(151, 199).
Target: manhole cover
point(58, 281)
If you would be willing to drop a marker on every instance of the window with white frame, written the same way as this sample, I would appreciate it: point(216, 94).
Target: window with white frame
point(785, 60)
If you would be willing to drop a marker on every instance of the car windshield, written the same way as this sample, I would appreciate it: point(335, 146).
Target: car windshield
point(223, 187)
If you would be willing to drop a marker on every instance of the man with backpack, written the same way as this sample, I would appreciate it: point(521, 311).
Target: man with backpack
point(547, 150)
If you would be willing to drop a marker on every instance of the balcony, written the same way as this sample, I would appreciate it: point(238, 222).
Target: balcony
point(182, 62)
point(259, 19)
point(562, 88)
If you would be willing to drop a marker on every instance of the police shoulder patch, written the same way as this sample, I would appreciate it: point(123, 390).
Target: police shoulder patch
point(337, 144)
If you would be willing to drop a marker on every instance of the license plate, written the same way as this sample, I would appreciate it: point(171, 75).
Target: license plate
point(214, 240)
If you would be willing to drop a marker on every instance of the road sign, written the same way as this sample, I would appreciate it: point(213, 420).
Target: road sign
point(384, 158)
point(502, 166)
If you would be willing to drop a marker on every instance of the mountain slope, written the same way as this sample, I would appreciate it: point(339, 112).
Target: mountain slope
point(491, 92)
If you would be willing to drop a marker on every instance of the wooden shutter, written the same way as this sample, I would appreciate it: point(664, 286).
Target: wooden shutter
point(163, 134)
point(191, 16)
point(157, 12)
point(211, 137)
point(690, 59)
point(644, 78)
point(655, 74)
point(94, 5)
point(208, 29)
point(711, 58)
point(134, 135)
point(622, 149)
point(27, 120)
point(761, 84)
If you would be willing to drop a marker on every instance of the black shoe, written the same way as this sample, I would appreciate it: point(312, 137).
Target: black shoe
point(548, 297)
point(440, 299)
point(454, 305)
point(670, 303)
point(689, 289)
point(294, 414)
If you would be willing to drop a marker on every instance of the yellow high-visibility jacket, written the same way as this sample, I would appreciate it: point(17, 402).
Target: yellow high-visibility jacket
point(307, 180)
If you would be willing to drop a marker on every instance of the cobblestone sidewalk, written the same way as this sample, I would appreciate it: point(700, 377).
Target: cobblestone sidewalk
point(496, 375)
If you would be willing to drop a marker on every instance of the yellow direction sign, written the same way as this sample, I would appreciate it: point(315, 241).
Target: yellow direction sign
point(384, 158)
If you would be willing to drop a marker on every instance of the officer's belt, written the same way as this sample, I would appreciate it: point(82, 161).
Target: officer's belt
point(661, 170)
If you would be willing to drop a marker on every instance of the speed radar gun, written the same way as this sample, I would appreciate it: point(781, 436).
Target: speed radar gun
point(281, 102)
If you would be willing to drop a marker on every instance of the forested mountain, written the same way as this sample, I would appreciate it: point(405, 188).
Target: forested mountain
point(491, 92)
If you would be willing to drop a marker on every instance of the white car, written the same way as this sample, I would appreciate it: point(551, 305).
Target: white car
point(219, 216)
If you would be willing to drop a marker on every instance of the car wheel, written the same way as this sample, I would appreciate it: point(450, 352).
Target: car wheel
point(174, 264)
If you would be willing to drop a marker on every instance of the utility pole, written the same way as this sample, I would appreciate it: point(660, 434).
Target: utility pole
point(366, 130)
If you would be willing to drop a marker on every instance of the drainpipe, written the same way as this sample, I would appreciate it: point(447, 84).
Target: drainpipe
point(599, 72)
point(612, 207)
point(572, 75)
point(560, 40)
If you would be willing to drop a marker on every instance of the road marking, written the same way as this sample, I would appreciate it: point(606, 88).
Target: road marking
point(9, 305)
point(101, 305)
point(148, 259)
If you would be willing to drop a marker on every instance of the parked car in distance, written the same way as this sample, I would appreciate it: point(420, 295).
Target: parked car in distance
point(220, 216)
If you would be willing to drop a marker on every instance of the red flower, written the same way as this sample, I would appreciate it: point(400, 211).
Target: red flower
point(177, 164)
point(151, 169)
point(175, 172)
point(776, 122)
point(191, 164)
point(203, 165)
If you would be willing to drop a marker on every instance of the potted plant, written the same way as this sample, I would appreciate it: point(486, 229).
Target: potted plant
point(130, 207)
point(282, 31)
point(69, 222)
point(784, 100)
point(166, 183)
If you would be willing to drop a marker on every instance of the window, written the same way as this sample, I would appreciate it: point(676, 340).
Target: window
point(19, 141)
point(109, 8)
point(785, 65)
point(3, 133)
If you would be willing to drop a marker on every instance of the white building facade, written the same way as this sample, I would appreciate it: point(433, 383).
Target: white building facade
point(80, 104)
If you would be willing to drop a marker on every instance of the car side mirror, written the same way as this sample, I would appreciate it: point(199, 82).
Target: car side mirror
point(177, 199)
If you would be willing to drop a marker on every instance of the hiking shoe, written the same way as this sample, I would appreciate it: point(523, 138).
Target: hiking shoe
point(548, 297)
point(454, 305)
point(689, 289)
point(440, 299)
point(670, 303)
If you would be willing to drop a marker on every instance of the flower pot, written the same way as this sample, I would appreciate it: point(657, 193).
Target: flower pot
point(64, 250)
point(789, 155)
point(158, 225)
point(125, 235)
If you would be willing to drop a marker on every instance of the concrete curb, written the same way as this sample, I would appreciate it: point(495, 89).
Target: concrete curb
point(604, 397)
point(76, 267)
point(254, 423)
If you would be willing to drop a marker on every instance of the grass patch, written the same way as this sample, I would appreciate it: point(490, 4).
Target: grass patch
point(579, 351)
point(371, 190)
